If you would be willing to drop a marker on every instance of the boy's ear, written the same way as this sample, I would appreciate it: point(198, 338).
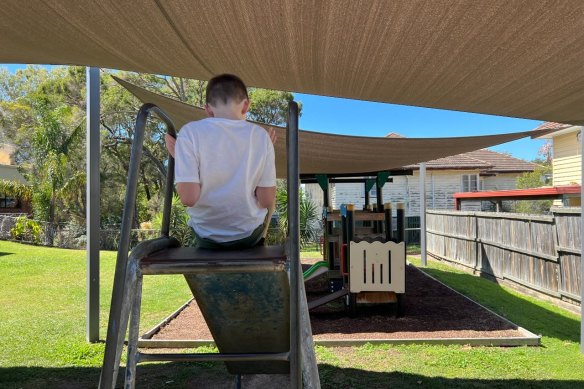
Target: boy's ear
point(209, 110)
point(245, 106)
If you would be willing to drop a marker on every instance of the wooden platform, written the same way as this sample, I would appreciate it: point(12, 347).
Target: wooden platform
point(188, 260)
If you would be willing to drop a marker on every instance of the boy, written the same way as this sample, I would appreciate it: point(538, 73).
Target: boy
point(225, 169)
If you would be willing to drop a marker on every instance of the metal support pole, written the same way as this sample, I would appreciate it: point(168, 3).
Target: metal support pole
point(380, 182)
point(388, 222)
point(92, 203)
point(401, 223)
point(367, 200)
point(294, 241)
point(379, 199)
point(582, 241)
point(423, 213)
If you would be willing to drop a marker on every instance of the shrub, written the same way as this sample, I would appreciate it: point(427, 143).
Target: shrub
point(179, 227)
point(26, 230)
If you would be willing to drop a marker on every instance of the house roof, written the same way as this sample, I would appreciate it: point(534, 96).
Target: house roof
point(501, 162)
point(552, 126)
point(460, 161)
point(11, 173)
point(510, 58)
point(560, 129)
point(488, 161)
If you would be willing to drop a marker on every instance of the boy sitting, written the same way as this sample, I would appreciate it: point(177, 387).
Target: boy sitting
point(225, 170)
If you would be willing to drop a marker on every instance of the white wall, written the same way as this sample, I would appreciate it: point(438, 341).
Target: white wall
point(440, 188)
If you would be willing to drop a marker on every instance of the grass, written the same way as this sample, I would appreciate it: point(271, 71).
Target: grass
point(42, 332)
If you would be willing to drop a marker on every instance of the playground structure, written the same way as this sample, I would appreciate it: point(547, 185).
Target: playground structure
point(252, 300)
point(160, 257)
point(255, 334)
point(365, 258)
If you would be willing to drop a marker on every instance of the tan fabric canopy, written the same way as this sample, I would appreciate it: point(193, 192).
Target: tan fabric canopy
point(339, 154)
point(512, 58)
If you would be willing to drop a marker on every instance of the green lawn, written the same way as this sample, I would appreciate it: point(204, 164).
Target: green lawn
point(42, 332)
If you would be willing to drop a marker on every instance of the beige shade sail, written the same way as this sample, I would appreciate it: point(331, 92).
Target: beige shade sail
point(520, 58)
point(339, 154)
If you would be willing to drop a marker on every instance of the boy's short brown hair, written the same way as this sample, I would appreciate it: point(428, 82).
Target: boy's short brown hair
point(225, 87)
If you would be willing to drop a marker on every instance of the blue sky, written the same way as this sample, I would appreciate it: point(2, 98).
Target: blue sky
point(354, 117)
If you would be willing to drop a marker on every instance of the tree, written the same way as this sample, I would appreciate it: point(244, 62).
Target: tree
point(545, 153)
point(270, 106)
point(42, 111)
point(38, 115)
point(529, 180)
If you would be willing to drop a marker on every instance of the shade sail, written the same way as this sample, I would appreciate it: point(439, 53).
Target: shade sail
point(512, 58)
point(340, 154)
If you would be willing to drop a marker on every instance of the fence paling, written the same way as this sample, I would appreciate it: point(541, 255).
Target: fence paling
point(540, 252)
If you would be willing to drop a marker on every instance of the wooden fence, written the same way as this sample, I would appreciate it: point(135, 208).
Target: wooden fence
point(538, 252)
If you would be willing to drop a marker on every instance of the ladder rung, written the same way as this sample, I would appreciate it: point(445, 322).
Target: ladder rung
point(210, 357)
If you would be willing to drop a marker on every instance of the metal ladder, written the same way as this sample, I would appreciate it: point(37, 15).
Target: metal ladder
point(127, 285)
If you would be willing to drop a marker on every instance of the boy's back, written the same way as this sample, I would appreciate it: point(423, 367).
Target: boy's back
point(230, 159)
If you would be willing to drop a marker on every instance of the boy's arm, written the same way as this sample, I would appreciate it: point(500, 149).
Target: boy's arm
point(266, 196)
point(189, 193)
point(170, 144)
point(186, 171)
point(265, 190)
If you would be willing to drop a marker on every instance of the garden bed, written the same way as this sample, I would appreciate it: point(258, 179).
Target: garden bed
point(435, 313)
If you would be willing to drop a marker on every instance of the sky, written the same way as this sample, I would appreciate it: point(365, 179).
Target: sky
point(354, 117)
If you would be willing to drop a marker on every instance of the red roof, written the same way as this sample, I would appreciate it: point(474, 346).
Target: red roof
point(544, 192)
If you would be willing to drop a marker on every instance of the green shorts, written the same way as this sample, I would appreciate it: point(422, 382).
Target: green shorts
point(255, 239)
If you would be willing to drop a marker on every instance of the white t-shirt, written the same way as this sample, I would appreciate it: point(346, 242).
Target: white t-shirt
point(229, 158)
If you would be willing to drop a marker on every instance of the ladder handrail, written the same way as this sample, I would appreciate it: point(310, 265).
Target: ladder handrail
point(109, 370)
point(294, 245)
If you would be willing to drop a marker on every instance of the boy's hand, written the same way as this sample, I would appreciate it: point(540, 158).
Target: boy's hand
point(170, 144)
point(272, 134)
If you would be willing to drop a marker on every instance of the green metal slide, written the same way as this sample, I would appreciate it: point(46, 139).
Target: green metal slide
point(316, 270)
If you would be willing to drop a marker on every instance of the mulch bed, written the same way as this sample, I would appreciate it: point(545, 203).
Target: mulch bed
point(432, 311)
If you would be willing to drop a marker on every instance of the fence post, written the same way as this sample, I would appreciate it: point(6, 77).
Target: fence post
point(423, 213)
point(476, 241)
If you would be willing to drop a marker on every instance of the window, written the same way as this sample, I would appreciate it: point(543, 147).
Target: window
point(470, 182)
point(7, 202)
point(373, 192)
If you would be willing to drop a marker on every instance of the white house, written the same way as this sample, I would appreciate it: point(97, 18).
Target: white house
point(477, 170)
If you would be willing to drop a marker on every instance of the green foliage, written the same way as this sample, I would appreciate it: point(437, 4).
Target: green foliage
point(26, 230)
point(309, 215)
point(42, 112)
point(16, 190)
point(179, 227)
point(533, 180)
point(269, 106)
point(41, 202)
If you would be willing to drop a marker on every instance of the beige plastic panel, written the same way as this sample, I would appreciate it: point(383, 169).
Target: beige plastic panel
point(370, 267)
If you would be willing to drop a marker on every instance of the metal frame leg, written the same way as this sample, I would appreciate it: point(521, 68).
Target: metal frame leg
point(238, 381)
point(126, 304)
point(133, 336)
